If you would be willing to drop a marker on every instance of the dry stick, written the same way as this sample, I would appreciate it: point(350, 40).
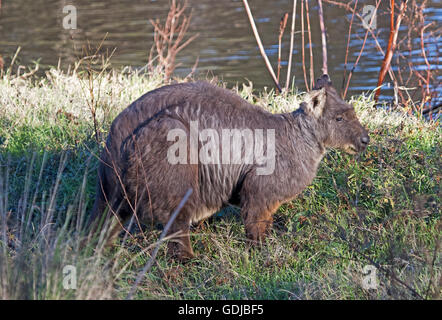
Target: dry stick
point(324, 38)
point(394, 30)
point(421, 80)
point(261, 48)
point(302, 46)
point(9, 71)
point(312, 74)
point(25, 75)
point(155, 252)
point(192, 72)
point(378, 2)
point(292, 37)
point(348, 46)
point(282, 26)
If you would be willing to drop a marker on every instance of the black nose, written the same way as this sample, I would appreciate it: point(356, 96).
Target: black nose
point(365, 140)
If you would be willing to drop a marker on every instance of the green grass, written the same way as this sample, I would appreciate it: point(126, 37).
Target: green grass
point(382, 206)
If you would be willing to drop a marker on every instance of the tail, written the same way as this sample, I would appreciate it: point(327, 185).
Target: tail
point(100, 203)
point(97, 209)
point(95, 219)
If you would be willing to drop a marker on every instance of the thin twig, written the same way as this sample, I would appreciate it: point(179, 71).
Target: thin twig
point(348, 46)
point(9, 71)
point(302, 47)
point(323, 38)
point(424, 55)
point(261, 47)
point(292, 37)
point(312, 74)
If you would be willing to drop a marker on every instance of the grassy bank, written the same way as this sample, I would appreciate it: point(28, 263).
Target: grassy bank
point(381, 208)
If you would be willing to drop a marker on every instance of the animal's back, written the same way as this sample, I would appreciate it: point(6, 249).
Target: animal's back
point(191, 101)
point(187, 95)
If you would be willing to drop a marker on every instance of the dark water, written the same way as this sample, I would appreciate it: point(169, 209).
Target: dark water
point(226, 46)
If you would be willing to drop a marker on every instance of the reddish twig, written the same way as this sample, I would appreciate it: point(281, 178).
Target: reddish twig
point(282, 26)
point(394, 30)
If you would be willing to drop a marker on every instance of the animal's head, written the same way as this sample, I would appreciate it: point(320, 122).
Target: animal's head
point(337, 121)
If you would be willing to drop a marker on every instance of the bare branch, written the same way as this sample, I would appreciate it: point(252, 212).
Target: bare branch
point(292, 38)
point(261, 48)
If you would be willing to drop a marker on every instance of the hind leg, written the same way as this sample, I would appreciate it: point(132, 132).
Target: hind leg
point(179, 245)
point(164, 180)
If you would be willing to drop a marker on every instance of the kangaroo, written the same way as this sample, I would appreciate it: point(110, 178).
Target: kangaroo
point(205, 138)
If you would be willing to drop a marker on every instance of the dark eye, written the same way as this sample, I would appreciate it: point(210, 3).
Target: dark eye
point(339, 118)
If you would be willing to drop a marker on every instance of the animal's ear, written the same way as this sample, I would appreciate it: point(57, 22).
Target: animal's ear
point(322, 82)
point(314, 102)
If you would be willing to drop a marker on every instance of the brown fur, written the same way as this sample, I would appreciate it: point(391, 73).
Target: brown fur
point(135, 175)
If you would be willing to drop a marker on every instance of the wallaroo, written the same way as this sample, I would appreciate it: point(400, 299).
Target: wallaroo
point(139, 173)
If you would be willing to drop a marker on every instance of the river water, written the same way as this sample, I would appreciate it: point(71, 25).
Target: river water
point(225, 47)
